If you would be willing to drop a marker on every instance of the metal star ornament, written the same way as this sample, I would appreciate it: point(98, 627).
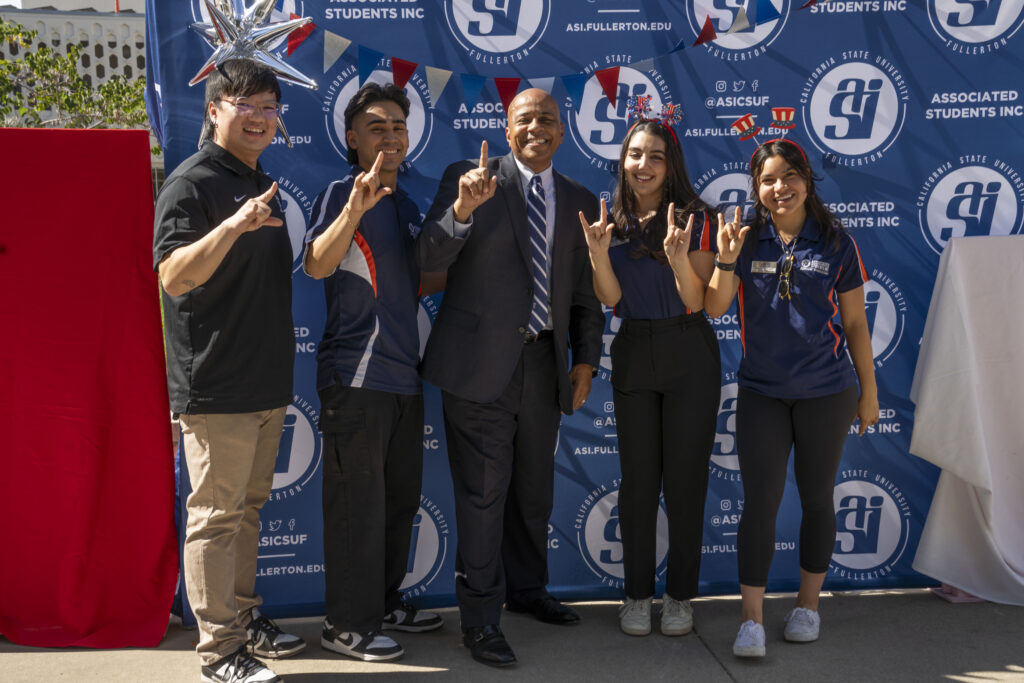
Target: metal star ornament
point(239, 32)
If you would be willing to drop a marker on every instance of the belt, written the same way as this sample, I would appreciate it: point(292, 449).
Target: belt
point(676, 322)
point(531, 338)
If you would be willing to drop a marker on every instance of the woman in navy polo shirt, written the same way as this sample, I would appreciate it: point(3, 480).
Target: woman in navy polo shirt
point(666, 372)
point(795, 271)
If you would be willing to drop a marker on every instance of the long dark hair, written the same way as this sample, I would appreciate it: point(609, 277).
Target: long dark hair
point(677, 188)
point(793, 154)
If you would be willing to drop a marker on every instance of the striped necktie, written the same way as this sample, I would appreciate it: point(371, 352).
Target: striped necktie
point(538, 255)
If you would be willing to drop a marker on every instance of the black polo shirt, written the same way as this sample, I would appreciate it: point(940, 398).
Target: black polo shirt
point(230, 341)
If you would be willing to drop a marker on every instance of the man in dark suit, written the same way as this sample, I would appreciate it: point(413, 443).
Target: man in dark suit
point(519, 296)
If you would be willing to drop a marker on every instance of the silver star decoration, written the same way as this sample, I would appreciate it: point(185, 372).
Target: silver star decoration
point(240, 32)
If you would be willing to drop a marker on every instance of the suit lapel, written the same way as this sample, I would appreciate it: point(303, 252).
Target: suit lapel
point(510, 184)
point(564, 221)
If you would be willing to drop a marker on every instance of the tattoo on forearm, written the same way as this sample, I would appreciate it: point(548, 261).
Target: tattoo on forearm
point(191, 284)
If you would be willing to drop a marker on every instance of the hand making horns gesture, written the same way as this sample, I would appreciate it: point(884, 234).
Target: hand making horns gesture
point(476, 186)
point(598, 233)
point(730, 237)
point(367, 190)
point(677, 241)
point(255, 213)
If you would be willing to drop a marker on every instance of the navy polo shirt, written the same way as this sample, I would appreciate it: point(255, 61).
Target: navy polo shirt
point(371, 337)
point(648, 285)
point(796, 348)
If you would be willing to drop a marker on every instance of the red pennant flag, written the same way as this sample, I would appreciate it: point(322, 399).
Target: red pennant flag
point(507, 89)
point(401, 71)
point(707, 34)
point(809, 3)
point(609, 80)
point(296, 37)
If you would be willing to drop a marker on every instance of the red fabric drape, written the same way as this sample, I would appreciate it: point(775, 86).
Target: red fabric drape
point(88, 555)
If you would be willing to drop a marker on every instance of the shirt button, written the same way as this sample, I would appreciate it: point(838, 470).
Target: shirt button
point(522, 330)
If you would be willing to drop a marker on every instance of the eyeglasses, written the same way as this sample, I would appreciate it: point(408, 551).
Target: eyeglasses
point(267, 111)
point(784, 277)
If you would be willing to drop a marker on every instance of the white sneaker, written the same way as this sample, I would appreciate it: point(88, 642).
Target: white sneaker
point(239, 667)
point(408, 618)
point(676, 616)
point(635, 616)
point(270, 641)
point(750, 640)
point(369, 647)
point(802, 625)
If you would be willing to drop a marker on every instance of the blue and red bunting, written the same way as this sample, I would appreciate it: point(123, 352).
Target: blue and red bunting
point(574, 85)
point(368, 61)
point(472, 85)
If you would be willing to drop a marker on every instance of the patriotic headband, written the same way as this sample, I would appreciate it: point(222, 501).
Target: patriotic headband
point(638, 107)
point(768, 142)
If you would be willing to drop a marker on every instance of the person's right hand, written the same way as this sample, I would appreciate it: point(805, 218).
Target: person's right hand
point(476, 186)
point(367, 190)
point(730, 237)
point(254, 214)
point(598, 233)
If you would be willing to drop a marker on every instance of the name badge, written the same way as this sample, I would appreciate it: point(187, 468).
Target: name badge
point(770, 267)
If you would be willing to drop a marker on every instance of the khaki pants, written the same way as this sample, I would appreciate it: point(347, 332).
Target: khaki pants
point(230, 460)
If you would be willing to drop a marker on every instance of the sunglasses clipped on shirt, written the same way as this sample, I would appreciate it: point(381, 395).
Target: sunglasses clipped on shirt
point(785, 275)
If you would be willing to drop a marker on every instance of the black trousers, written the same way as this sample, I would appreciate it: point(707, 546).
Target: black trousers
point(815, 429)
point(373, 471)
point(502, 462)
point(667, 379)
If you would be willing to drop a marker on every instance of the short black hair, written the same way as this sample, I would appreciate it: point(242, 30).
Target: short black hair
point(236, 78)
point(367, 95)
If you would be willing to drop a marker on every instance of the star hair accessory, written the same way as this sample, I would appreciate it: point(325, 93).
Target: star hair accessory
point(638, 109)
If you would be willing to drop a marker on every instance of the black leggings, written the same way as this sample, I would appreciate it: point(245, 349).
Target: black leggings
point(766, 429)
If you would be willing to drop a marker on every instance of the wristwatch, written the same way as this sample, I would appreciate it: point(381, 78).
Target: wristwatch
point(727, 267)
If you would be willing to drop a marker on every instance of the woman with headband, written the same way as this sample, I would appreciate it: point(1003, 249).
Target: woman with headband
point(652, 263)
point(795, 268)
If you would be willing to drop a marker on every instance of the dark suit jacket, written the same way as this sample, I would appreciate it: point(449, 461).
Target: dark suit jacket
point(477, 337)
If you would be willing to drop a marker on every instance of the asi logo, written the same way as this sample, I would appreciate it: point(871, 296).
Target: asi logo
point(599, 537)
point(855, 108)
point(611, 328)
point(727, 191)
point(420, 122)
point(298, 455)
point(428, 548)
point(598, 128)
point(886, 310)
point(425, 320)
point(969, 201)
point(284, 11)
point(296, 205)
point(725, 463)
point(743, 43)
point(872, 526)
point(497, 31)
point(973, 27)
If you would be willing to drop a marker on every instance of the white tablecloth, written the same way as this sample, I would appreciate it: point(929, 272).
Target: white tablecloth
point(969, 419)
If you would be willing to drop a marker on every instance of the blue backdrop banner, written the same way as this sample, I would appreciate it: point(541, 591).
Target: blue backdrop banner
point(910, 110)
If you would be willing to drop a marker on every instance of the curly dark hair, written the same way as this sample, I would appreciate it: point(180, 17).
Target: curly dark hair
point(794, 155)
point(677, 188)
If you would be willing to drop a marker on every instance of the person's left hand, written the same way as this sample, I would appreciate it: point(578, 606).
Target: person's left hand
point(867, 412)
point(677, 242)
point(581, 375)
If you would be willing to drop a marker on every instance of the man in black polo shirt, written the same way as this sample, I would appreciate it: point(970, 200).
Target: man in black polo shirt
point(224, 260)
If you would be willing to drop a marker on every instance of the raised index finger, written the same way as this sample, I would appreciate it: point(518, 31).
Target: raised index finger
point(483, 154)
point(739, 216)
point(377, 162)
point(672, 214)
point(604, 213)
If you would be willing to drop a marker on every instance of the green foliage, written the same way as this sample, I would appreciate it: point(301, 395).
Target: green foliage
point(42, 88)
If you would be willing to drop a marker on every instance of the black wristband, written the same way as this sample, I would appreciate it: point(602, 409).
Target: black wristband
point(727, 267)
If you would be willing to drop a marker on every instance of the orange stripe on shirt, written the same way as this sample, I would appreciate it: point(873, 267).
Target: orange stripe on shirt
point(863, 271)
point(835, 310)
point(368, 255)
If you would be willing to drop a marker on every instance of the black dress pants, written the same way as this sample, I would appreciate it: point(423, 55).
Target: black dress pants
point(373, 472)
point(667, 379)
point(502, 462)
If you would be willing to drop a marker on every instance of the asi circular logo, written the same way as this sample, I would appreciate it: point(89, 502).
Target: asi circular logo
point(611, 328)
point(298, 454)
point(598, 128)
point(854, 110)
point(284, 13)
point(296, 205)
point(428, 548)
point(599, 537)
point(420, 122)
point(725, 463)
point(886, 310)
point(726, 192)
point(872, 526)
point(738, 39)
point(974, 28)
point(496, 32)
point(969, 201)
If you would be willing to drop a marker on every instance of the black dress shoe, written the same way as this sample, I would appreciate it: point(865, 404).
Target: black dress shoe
point(547, 609)
point(487, 644)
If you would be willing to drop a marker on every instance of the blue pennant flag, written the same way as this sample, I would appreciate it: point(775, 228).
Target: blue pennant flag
point(574, 84)
point(471, 87)
point(368, 61)
point(766, 12)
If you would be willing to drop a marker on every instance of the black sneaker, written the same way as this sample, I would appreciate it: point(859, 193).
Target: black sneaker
point(270, 641)
point(239, 667)
point(369, 647)
point(408, 618)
